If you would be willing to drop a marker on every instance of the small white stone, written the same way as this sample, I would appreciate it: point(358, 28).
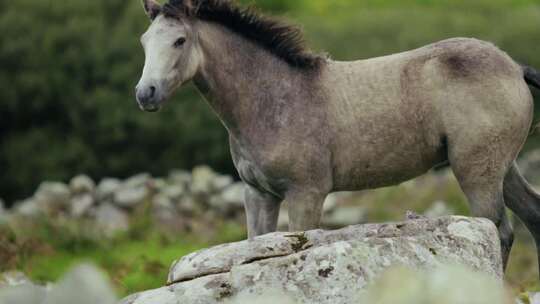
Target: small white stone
point(28, 207)
point(180, 177)
point(106, 188)
point(345, 216)
point(110, 219)
point(129, 197)
point(138, 180)
point(173, 191)
point(13, 278)
point(438, 209)
point(81, 204)
point(221, 182)
point(82, 184)
point(52, 196)
point(202, 178)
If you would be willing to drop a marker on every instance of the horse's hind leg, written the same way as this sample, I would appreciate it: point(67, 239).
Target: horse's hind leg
point(487, 201)
point(523, 201)
point(481, 176)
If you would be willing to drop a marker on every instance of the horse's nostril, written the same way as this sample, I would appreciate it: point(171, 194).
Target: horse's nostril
point(152, 91)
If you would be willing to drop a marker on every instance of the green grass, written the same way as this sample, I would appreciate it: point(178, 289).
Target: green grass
point(137, 261)
point(132, 265)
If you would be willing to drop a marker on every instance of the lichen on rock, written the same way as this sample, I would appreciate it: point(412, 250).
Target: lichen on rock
point(327, 266)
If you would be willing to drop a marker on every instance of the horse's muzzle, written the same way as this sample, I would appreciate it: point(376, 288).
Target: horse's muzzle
point(148, 99)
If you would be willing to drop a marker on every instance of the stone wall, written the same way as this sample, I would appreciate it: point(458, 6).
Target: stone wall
point(177, 202)
point(173, 201)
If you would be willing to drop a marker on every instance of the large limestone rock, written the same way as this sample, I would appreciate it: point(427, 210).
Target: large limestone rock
point(327, 266)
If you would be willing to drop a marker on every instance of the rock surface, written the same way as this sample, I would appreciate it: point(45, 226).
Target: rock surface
point(327, 266)
point(83, 285)
point(446, 285)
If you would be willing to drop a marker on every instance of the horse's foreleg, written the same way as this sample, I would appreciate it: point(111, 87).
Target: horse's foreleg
point(262, 211)
point(305, 210)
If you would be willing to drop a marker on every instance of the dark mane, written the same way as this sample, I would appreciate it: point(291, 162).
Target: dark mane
point(281, 39)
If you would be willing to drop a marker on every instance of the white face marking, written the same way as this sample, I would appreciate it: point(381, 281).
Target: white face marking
point(172, 58)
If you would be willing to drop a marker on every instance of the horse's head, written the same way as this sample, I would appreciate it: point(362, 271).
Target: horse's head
point(172, 53)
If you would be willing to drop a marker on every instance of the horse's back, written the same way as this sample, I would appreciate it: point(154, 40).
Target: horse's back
point(393, 115)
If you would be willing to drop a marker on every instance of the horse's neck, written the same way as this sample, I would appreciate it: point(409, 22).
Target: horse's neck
point(241, 81)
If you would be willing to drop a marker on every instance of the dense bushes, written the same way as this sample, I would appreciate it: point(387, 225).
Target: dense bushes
point(68, 68)
point(68, 76)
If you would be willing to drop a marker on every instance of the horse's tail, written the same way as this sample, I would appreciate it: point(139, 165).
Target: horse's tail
point(532, 76)
point(524, 201)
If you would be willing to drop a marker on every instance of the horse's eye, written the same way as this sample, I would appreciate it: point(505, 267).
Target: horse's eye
point(179, 42)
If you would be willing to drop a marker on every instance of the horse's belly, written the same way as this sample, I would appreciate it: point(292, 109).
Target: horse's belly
point(374, 168)
point(377, 177)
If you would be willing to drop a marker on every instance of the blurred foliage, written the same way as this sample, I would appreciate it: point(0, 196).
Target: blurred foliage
point(68, 71)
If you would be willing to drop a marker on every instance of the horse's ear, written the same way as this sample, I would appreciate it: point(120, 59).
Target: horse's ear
point(152, 8)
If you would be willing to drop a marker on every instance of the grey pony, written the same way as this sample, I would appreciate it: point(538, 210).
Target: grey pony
point(302, 126)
